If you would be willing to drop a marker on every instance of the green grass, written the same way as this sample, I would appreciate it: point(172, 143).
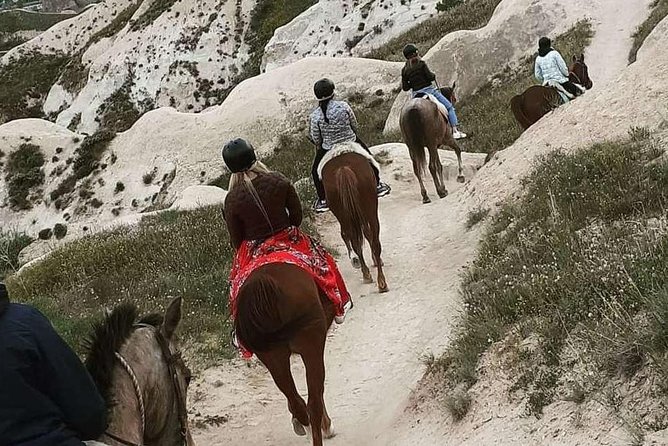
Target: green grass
point(11, 244)
point(573, 267)
point(151, 14)
point(118, 112)
point(25, 83)
point(371, 113)
point(23, 174)
point(13, 21)
point(9, 42)
point(471, 14)
point(486, 115)
point(659, 12)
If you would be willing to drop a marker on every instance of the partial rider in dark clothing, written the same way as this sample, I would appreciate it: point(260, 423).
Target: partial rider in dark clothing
point(47, 398)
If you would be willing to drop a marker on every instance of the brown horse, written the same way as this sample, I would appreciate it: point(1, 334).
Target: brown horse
point(140, 374)
point(538, 100)
point(350, 187)
point(423, 125)
point(281, 311)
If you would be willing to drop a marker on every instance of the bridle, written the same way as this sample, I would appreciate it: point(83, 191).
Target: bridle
point(171, 360)
point(572, 72)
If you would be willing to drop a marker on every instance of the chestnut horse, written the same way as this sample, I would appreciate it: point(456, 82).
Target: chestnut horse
point(423, 125)
point(281, 311)
point(140, 374)
point(350, 187)
point(538, 100)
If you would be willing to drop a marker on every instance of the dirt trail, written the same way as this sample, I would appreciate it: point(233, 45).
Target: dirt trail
point(374, 360)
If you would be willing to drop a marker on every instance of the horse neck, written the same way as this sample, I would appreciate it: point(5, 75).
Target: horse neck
point(161, 422)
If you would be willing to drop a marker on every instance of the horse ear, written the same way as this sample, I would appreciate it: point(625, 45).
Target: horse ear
point(582, 57)
point(454, 85)
point(575, 58)
point(172, 318)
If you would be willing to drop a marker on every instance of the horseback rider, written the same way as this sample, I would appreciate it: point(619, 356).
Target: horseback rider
point(47, 398)
point(332, 123)
point(417, 77)
point(551, 67)
point(263, 214)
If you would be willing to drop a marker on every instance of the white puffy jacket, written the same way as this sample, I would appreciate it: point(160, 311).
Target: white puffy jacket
point(551, 67)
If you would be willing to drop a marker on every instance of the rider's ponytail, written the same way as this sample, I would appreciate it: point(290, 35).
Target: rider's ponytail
point(323, 106)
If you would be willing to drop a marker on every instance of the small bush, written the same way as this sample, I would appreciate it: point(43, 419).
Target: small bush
point(23, 174)
point(476, 216)
point(11, 244)
point(120, 187)
point(96, 203)
point(458, 404)
point(45, 234)
point(148, 177)
point(659, 12)
point(59, 231)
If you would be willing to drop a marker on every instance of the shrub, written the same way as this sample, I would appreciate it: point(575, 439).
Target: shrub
point(120, 187)
point(23, 173)
point(11, 244)
point(45, 234)
point(60, 231)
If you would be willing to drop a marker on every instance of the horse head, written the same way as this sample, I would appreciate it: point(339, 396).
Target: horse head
point(449, 93)
point(138, 360)
point(579, 72)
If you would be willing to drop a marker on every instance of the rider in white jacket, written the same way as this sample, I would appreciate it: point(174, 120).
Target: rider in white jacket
point(550, 66)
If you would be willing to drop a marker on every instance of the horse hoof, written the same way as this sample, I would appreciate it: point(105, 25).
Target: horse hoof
point(299, 428)
point(461, 179)
point(356, 263)
point(426, 200)
point(443, 194)
point(384, 289)
point(367, 280)
point(329, 433)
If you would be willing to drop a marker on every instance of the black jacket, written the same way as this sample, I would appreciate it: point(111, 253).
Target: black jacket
point(47, 398)
point(416, 76)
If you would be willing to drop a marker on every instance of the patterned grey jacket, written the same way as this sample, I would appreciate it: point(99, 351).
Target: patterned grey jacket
point(342, 126)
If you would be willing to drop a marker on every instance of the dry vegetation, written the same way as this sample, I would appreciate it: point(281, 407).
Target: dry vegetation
point(659, 12)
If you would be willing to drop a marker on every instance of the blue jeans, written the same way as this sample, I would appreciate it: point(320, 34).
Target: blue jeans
point(443, 100)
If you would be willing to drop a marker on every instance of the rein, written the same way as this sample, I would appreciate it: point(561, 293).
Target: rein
point(170, 358)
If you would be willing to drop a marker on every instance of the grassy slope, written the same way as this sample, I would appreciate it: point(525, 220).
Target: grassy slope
point(659, 12)
point(13, 21)
point(577, 268)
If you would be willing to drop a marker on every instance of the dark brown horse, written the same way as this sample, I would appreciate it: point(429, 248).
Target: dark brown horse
point(281, 311)
point(538, 100)
point(350, 186)
point(423, 125)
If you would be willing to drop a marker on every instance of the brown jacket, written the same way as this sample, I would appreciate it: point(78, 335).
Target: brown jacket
point(245, 220)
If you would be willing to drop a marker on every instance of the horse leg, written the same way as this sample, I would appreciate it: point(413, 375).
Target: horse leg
point(423, 190)
point(373, 236)
point(277, 362)
point(354, 259)
point(458, 151)
point(436, 169)
point(327, 425)
point(313, 357)
point(366, 273)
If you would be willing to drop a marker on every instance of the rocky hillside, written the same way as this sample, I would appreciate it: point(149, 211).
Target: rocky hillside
point(344, 28)
point(19, 26)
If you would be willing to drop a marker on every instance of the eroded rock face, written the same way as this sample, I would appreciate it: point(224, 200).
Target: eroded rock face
point(471, 58)
point(166, 151)
point(344, 28)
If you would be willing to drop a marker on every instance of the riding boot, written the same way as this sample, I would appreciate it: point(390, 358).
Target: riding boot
point(319, 188)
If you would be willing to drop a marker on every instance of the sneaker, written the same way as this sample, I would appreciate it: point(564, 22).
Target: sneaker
point(320, 206)
point(458, 135)
point(340, 319)
point(383, 189)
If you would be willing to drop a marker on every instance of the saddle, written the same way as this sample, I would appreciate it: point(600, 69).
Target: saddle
point(565, 95)
point(432, 98)
point(342, 149)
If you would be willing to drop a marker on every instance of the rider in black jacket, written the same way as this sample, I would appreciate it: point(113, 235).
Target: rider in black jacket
point(47, 398)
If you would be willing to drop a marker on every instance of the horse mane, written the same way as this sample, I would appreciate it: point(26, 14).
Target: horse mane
point(107, 338)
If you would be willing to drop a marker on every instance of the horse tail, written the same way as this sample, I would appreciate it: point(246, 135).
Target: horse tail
point(347, 185)
point(258, 323)
point(414, 127)
point(516, 106)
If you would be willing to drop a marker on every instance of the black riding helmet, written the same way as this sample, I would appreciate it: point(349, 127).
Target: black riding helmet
point(324, 89)
point(544, 43)
point(239, 155)
point(410, 50)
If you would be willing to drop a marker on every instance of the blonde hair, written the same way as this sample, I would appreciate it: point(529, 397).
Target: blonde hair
point(244, 178)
